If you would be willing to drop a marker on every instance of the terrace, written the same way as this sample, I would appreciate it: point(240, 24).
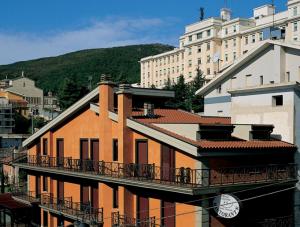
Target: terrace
point(180, 180)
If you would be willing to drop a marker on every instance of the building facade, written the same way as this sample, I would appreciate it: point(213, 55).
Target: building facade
point(261, 88)
point(110, 160)
point(214, 44)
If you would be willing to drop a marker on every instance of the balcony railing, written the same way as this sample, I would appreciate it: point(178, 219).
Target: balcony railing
point(82, 211)
point(28, 196)
point(184, 177)
point(118, 220)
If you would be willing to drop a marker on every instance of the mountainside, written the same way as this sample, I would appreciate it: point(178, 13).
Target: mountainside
point(120, 62)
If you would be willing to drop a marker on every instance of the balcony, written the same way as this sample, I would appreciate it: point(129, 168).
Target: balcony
point(73, 210)
point(28, 197)
point(180, 180)
point(118, 220)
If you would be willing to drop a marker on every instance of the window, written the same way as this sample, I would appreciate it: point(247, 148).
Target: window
point(190, 38)
point(219, 89)
point(234, 42)
point(178, 68)
point(199, 61)
point(182, 67)
point(207, 59)
point(199, 49)
point(208, 46)
point(261, 36)
point(295, 26)
point(295, 11)
point(208, 33)
point(208, 71)
point(226, 31)
point(45, 146)
point(199, 35)
point(277, 100)
point(45, 183)
point(190, 50)
point(115, 197)
point(234, 55)
point(226, 57)
point(253, 38)
point(261, 80)
point(287, 77)
point(246, 40)
point(190, 63)
point(234, 28)
point(115, 150)
point(190, 74)
point(226, 44)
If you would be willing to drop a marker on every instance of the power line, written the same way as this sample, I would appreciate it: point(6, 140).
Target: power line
point(208, 208)
point(203, 199)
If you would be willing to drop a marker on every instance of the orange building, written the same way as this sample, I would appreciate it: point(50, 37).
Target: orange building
point(110, 160)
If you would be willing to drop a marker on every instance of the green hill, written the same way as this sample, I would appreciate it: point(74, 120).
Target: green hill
point(120, 62)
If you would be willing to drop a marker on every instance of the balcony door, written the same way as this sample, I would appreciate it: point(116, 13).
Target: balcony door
point(167, 163)
point(60, 151)
point(142, 161)
point(60, 191)
point(37, 186)
point(168, 214)
point(95, 150)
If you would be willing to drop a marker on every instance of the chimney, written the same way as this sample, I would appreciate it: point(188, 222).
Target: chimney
point(106, 94)
point(225, 14)
point(148, 110)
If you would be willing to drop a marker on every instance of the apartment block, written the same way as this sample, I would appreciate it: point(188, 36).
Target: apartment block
point(118, 158)
point(215, 43)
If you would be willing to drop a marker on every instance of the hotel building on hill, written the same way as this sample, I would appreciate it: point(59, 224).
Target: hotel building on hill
point(214, 44)
point(113, 160)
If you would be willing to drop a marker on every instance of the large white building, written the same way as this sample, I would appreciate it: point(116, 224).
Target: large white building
point(215, 43)
point(262, 87)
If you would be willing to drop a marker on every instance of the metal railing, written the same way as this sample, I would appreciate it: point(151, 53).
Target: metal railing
point(29, 196)
point(185, 177)
point(84, 211)
point(118, 220)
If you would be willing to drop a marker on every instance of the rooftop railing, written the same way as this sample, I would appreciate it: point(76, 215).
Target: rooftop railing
point(118, 220)
point(83, 211)
point(185, 177)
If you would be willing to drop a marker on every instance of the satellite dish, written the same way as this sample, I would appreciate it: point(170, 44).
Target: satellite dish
point(216, 57)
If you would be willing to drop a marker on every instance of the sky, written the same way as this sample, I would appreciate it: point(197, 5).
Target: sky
point(31, 29)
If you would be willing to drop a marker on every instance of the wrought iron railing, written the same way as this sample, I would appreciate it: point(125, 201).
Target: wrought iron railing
point(29, 196)
point(185, 177)
point(118, 220)
point(83, 211)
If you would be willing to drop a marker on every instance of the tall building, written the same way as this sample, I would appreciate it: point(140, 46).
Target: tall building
point(114, 160)
point(215, 43)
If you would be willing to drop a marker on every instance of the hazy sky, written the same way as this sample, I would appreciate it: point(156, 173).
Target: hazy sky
point(40, 28)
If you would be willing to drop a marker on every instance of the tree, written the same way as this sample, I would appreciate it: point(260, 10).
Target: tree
point(70, 93)
point(197, 102)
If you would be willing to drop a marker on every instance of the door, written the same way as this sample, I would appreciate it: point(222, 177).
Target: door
point(84, 196)
point(37, 186)
point(168, 211)
point(142, 209)
point(84, 153)
point(95, 154)
point(167, 163)
point(142, 161)
point(141, 158)
point(60, 152)
point(60, 192)
point(95, 195)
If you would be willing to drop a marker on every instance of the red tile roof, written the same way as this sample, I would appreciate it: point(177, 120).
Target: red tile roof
point(231, 144)
point(169, 116)
point(244, 144)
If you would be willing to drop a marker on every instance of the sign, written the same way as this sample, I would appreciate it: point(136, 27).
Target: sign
point(226, 206)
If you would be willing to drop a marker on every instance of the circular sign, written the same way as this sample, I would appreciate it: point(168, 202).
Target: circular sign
point(226, 206)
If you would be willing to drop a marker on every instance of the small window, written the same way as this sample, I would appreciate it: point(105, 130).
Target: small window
point(115, 197)
point(208, 33)
point(295, 26)
point(199, 49)
point(277, 100)
point(261, 36)
point(115, 150)
point(45, 183)
point(253, 38)
point(261, 80)
point(190, 63)
point(45, 146)
point(208, 46)
point(199, 35)
point(246, 40)
point(190, 38)
point(219, 89)
point(295, 11)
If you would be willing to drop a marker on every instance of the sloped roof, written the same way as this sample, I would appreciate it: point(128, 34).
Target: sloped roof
point(241, 61)
point(173, 116)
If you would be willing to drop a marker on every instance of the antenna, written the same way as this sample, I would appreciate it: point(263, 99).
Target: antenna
point(201, 13)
